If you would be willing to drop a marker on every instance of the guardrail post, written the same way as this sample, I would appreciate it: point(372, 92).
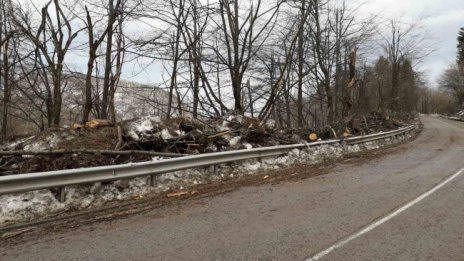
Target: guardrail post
point(62, 194)
point(152, 180)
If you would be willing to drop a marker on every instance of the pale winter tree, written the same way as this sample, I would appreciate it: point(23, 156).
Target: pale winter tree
point(52, 39)
point(94, 42)
point(452, 80)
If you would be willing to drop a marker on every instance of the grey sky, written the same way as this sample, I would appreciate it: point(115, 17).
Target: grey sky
point(442, 18)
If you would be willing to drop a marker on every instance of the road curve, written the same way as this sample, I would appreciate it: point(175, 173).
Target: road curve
point(296, 220)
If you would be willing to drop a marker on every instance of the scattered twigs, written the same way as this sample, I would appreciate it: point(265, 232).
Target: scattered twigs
point(7, 163)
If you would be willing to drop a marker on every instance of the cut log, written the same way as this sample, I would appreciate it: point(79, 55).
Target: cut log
point(78, 126)
point(98, 123)
point(312, 137)
point(346, 135)
point(177, 194)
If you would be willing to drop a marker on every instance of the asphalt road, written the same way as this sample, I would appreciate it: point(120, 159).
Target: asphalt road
point(299, 219)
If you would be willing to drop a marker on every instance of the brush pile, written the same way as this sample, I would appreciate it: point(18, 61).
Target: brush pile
point(150, 138)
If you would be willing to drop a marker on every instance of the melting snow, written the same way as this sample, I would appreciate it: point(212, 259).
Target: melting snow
point(12, 145)
point(247, 145)
point(142, 125)
point(39, 203)
point(166, 135)
point(50, 142)
point(235, 142)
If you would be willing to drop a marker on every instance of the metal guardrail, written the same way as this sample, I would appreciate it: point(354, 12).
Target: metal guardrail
point(61, 178)
point(452, 118)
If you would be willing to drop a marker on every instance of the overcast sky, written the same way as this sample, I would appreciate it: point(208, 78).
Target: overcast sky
point(442, 18)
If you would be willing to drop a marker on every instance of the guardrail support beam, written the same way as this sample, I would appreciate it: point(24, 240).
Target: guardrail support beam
point(62, 194)
point(152, 180)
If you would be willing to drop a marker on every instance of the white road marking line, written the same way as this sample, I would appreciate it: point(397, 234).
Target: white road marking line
point(384, 219)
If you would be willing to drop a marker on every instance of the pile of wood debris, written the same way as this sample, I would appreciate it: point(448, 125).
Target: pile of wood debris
point(100, 142)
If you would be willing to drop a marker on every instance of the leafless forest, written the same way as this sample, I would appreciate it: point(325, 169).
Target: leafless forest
point(308, 63)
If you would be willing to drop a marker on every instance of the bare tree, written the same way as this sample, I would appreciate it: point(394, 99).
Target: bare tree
point(118, 62)
point(108, 65)
point(6, 34)
point(243, 37)
point(54, 31)
point(452, 80)
point(94, 43)
point(405, 42)
point(114, 59)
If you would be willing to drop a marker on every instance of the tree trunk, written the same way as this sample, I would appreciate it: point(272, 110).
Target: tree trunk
point(196, 61)
point(57, 100)
point(174, 72)
point(88, 86)
point(108, 67)
point(300, 66)
point(350, 85)
point(395, 85)
point(6, 88)
point(288, 110)
point(93, 46)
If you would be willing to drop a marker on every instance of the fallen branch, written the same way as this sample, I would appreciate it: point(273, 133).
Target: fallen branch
point(89, 151)
point(334, 133)
point(219, 134)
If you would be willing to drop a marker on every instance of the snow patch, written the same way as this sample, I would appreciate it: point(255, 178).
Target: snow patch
point(353, 148)
point(39, 203)
point(50, 142)
point(141, 126)
point(212, 147)
point(166, 135)
point(145, 125)
point(247, 145)
point(250, 166)
point(235, 142)
point(16, 143)
point(27, 205)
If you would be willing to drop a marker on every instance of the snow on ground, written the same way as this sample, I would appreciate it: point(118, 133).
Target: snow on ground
point(12, 145)
point(247, 145)
point(30, 205)
point(149, 126)
point(235, 142)
point(460, 115)
point(27, 205)
point(38, 143)
point(139, 127)
point(50, 142)
point(153, 127)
